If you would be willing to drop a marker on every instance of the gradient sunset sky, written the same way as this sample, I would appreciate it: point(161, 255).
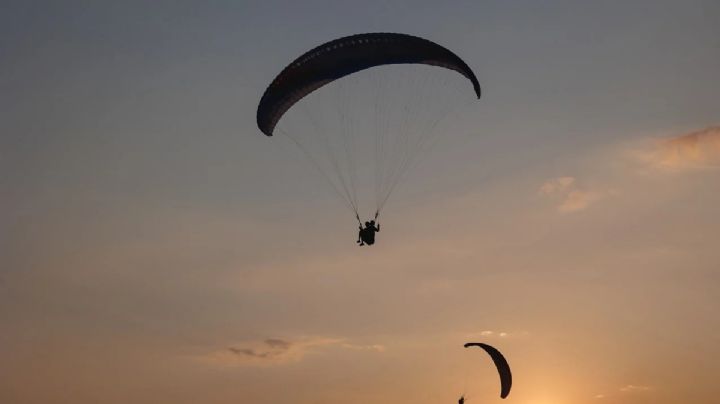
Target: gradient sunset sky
point(157, 248)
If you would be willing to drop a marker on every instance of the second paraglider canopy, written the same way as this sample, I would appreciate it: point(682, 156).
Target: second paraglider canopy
point(501, 364)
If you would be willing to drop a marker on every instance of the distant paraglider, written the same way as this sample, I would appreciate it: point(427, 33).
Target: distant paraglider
point(383, 89)
point(500, 363)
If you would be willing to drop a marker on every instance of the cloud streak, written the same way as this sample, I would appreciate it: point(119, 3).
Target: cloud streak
point(274, 351)
point(632, 388)
point(272, 348)
point(557, 185)
point(496, 334)
point(569, 195)
point(695, 150)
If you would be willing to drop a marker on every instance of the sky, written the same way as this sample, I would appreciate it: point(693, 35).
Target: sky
point(157, 248)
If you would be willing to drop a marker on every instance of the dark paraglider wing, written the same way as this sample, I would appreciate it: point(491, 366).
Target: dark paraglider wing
point(501, 364)
point(341, 57)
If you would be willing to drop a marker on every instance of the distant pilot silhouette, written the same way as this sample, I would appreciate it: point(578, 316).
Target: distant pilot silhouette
point(367, 234)
point(461, 400)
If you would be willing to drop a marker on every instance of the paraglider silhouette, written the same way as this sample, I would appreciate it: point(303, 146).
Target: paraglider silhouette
point(392, 145)
point(341, 57)
point(501, 364)
point(367, 233)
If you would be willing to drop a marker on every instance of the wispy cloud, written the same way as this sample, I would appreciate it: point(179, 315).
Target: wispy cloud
point(373, 347)
point(632, 388)
point(578, 200)
point(627, 389)
point(555, 185)
point(570, 196)
point(695, 150)
point(273, 351)
point(272, 348)
point(496, 334)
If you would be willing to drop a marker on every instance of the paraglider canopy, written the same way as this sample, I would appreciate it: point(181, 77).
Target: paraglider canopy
point(502, 366)
point(365, 108)
point(341, 57)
